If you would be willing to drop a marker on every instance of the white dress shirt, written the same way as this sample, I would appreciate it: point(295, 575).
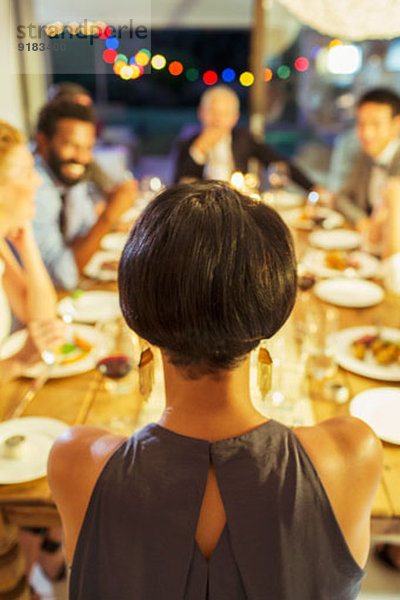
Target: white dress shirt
point(218, 162)
point(379, 172)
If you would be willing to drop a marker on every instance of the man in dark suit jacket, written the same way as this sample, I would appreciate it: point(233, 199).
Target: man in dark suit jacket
point(378, 131)
point(222, 148)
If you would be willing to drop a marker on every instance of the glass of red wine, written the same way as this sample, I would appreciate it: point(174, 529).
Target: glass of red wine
point(118, 358)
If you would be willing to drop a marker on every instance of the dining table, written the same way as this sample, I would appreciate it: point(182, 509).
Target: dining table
point(85, 399)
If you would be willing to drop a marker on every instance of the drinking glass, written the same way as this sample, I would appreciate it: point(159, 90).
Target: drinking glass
point(321, 365)
point(117, 356)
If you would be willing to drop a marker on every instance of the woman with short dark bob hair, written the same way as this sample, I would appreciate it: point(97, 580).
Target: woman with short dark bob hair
point(215, 501)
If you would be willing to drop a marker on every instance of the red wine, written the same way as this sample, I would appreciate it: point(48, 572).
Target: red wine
point(115, 367)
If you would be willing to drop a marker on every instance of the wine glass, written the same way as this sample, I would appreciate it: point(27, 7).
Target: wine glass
point(117, 357)
point(278, 175)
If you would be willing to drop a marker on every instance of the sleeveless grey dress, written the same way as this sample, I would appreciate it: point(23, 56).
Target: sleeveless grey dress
point(281, 540)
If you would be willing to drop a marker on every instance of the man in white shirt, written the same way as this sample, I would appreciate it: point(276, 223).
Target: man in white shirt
point(221, 147)
point(378, 131)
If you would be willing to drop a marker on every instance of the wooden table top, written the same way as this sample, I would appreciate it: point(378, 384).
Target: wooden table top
point(84, 399)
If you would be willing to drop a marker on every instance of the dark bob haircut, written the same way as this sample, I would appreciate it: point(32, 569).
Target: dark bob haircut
point(206, 274)
point(382, 96)
point(54, 111)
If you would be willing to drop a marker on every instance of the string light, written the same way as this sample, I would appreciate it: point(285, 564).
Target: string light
point(335, 42)
point(192, 74)
point(126, 72)
point(136, 71)
point(301, 63)
point(283, 72)
point(104, 31)
point(228, 75)
point(158, 62)
point(142, 58)
point(210, 77)
point(246, 78)
point(118, 66)
point(175, 67)
point(267, 74)
point(109, 56)
point(112, 43)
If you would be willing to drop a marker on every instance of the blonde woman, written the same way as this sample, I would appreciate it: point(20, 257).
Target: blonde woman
point(27, 289)
point(25, 282)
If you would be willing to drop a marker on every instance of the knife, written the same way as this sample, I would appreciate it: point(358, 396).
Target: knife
point(31, 392)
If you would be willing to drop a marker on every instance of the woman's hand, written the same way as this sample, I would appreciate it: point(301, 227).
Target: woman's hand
point(47, 334)
point(21, 237)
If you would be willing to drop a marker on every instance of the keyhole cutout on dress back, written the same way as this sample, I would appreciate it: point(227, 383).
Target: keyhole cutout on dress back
point(212, 517)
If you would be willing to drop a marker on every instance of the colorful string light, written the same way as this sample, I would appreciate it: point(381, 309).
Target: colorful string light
point(192, 74)
point(175, 68)
point(210, 77)
point(268, 74)
point(228, 75)
point(283, 72)
point(246, 78)
point(134, 68)
point(302, 63)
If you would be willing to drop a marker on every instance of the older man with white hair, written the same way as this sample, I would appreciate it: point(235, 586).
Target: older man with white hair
point(221, 147)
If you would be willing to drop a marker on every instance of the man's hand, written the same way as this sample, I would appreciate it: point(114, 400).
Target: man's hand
point(207, 139)
point(326, 197)
point(121, 200)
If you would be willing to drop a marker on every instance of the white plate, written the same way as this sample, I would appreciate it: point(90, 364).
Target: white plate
point(90, 307)
point(380, 409)
point(94, 269)
point(40, 433)
point(351, 293)
point(114, 242)
point(369, 367)
point(283, 199)
point(130, 215)
point(338, 239)
point(88, 362)
point(368, 266)
point(332, 218)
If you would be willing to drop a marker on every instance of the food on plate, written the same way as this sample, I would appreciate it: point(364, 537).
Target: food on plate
point(109, 265)
point(384, 351)
point(13, 447)
point(74, 351)
point(340, 260)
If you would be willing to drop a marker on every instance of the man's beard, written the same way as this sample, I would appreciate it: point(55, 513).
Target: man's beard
point(56, 164)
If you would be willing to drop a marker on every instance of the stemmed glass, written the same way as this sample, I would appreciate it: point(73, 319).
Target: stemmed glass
point(117, 356)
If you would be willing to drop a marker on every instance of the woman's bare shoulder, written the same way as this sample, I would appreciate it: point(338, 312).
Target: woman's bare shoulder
point(341, 438)
point(81, 449)
point(347, 456)
point(75, 463)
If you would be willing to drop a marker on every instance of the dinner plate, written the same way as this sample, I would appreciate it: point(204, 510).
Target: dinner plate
point(31, 463)
point(350, 293)
point(96, 339)
point(369, 367)
point(95, 270)
point(337, 239)
point(295, 218)
point(130, 215)
point(367, 265)
point(380, 409)
point(283, 199)
point(114, 242)
point(90, 307)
